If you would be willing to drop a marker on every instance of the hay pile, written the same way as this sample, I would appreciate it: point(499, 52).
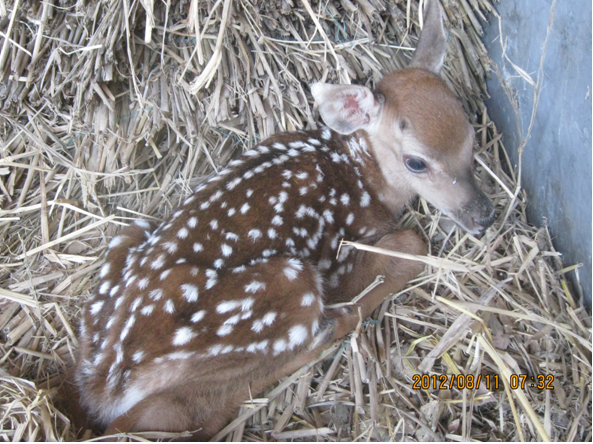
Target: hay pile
point(100, 125)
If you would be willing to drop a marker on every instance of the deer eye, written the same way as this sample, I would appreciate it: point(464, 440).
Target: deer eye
point(415, 165)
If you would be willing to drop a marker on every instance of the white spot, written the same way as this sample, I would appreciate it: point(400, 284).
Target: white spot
point(171, 247)
point(127, 328)
point(177, 214)
point(257, 326)
point(213, 224)
point(308, 299)
point(329, 216)
point(143, 283)
point(226, 306)
point(147, 311)
point(198, 247)
point(278, 208)
point(142, 224)
point(279, 346)
point(164, 274)
point(198, 316)
point(302, 175)
point(345, 199)
point(297, 335)
point(154, 239)
point(189, 200)
point(249, 192)
point(216, 196)
point(183, 335)
point(158, 262)
point(291, 273)
point(182, 233)
point(350, 219)
point(244, 208)
point(215, 350)
point(135, 304)
point(96, 307)
point(178, 355)
point(224, 330)
point(105, 269)
point(169, 306)
point(218, 264)
point(303, 191)
point(255, 346)
point(233, 320)
point(268, 253)
point(287, 174)
point(269, 318)
point(365, 200)
point(273, 200)
point(110, 322)
point(204, 205)
point(137, 357)
point(192, 222)
point(231, 236)
point(246, 304)
point(233, 183)
point(324, 264)
point(200, 188)
point(116, 241)
point(131, 280)
point(272, 233)
point(240, 269)
point(212, 279)
point(119, 355)
point(254, 287)
point(247, 314)
point(190, 292)
point(104, 288)
point(194, 271)
point(254, 234)
point(297, 144)
point(227, 250)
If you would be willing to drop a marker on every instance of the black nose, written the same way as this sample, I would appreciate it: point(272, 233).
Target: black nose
point(486, 222)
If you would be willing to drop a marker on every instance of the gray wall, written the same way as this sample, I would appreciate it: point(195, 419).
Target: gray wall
point(557, 157)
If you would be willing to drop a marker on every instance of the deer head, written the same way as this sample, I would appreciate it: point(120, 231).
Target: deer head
point(417, 131)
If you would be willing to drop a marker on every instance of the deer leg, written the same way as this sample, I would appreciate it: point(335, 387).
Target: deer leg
point(256, 319)
point(367, 265)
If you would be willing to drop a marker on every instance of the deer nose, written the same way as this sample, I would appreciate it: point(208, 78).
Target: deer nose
point(485, 222)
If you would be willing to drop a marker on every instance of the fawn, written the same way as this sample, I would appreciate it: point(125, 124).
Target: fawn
point(230, 294)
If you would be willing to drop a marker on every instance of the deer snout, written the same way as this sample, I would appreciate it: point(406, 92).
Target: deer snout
point(485, 222)
point(481, 214)
point(476, 213)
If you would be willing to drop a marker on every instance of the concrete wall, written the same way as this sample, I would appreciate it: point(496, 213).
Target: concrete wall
point(557, 157)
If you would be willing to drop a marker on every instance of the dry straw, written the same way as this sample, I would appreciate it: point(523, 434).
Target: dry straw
point(114, 110)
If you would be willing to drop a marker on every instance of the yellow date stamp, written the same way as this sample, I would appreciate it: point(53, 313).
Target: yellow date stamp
point(489, 382)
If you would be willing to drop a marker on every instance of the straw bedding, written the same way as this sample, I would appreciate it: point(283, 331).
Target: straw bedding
point(114, 110)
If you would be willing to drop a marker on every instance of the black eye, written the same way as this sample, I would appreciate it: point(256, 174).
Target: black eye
point(415, 165)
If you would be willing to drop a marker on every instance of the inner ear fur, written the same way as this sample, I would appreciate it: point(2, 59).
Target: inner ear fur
point(347, 108)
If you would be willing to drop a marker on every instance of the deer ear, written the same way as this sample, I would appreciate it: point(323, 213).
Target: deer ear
point(347, 108)
point(432, 46)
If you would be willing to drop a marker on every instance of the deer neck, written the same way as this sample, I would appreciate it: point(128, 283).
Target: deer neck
point(374, 163)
